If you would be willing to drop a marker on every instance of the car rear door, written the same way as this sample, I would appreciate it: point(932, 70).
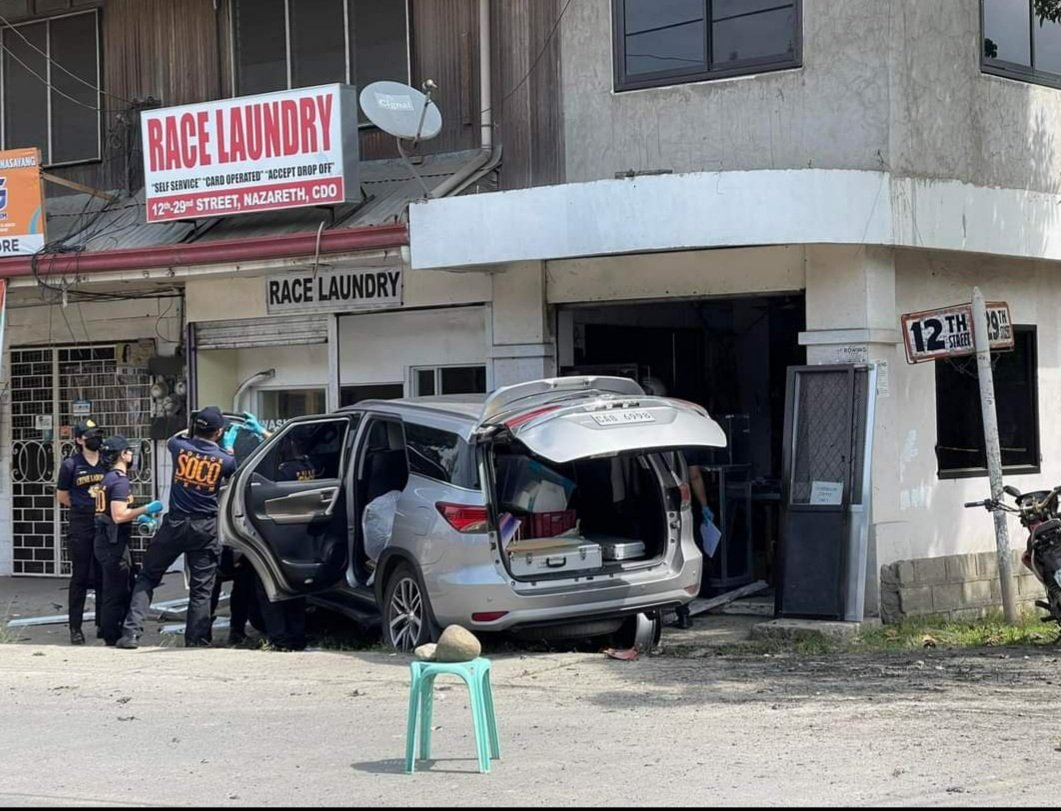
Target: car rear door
point(289, 512)
point(594, 423)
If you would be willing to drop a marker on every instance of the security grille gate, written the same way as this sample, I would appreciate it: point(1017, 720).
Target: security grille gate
point(45, 384)
point(829, 413)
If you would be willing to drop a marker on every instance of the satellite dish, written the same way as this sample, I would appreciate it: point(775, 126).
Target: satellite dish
point(402, 111)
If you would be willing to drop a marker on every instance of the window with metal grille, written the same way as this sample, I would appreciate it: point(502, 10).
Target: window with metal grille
point(50, 75)
point(663, 42)
point(1018, 45)
point(960, 447)
point(284, 44)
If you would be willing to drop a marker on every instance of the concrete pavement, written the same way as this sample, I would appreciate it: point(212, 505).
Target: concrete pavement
point(238, 727)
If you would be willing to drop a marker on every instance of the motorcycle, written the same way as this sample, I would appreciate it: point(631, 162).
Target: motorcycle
point(1038, 513)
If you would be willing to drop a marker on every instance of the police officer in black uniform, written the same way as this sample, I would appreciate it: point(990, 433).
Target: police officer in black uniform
point(79, 478)
point(200, 466)
point(114, 527)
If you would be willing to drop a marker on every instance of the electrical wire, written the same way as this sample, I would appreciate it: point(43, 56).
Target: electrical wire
point(8, 24)
point(534, 64)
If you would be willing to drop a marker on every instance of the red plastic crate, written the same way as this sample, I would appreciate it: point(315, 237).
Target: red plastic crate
point(549, 525)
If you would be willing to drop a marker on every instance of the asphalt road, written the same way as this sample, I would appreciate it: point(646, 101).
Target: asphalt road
point(170, 726)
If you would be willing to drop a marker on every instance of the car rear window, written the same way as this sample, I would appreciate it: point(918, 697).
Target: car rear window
point(441, 455)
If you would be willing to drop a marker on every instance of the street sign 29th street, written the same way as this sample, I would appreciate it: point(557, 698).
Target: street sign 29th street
point(948, 331)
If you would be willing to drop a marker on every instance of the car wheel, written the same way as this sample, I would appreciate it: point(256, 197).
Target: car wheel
point(642, 631)
point(407, 620)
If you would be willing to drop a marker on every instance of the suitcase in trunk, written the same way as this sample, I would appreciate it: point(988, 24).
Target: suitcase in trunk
point(621, 549)
point(550, 555)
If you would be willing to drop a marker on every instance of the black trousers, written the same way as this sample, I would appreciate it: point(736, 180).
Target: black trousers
point(111, 546)
point(84, 574)
point(285, 621)
point(243, 601)
point(195, 537)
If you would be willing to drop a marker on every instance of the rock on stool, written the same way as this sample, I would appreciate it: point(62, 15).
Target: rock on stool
point(476, 674)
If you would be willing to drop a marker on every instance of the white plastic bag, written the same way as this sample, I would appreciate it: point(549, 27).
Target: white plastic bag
point(378, 522)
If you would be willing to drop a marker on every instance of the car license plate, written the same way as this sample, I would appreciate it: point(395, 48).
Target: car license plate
point(623, 417)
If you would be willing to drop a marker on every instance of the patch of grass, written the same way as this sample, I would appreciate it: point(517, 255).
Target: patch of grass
point(991, 631)
point(8, 636)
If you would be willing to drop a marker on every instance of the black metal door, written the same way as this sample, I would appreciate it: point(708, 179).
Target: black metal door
point(820, 471)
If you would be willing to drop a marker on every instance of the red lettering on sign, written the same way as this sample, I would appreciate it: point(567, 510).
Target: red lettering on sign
point(308, 115)
point(205, 158)
point(324, 109)
point(271, 124)
point(187, 145)
point(254, 132)
point(154, 144)
point(222, 151)
point(289, 121)
point(237, 147)
point(173, 152)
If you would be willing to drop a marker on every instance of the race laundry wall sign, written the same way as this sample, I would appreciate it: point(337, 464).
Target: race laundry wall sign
point(948, 331)
point(334, 291)
point(255, 153)
point(21, 202)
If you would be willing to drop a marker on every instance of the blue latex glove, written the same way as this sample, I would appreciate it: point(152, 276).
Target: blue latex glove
point(250, 422)
point(708, 516)
point(154, 508)
point(228, 439)
point(141, 520)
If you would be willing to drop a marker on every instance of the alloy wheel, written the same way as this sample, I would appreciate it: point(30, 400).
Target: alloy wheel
point(405, 615)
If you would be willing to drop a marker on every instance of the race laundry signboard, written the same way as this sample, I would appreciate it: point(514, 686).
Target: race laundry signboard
point(255, 153)
point(334, 291)
point(21, 202)
point(948, 331)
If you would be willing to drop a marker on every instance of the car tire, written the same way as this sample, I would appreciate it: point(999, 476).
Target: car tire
point(642, 631)
point(407, 619)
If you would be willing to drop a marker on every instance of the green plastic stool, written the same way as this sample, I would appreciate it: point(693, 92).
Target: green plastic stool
point(476, 674)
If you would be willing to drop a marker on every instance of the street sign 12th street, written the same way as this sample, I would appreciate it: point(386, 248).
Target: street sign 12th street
point(948, 331)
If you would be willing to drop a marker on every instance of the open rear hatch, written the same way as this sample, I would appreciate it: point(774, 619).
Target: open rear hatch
point(583, 478)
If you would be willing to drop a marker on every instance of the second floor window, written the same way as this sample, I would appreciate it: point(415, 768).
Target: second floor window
point(283, 44)
point(50, 72)
point(661, 42)
point(1018, 45)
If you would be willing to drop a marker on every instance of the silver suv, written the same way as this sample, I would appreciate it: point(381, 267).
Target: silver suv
point(554, 507)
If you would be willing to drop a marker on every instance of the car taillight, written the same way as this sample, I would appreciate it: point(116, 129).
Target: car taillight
point(464, 518)
point(488, 616)
point(516, 422)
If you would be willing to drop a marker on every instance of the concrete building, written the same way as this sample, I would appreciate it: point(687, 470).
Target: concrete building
point(763, 185)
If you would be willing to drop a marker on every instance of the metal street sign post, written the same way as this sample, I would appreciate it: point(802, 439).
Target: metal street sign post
point(966, 329)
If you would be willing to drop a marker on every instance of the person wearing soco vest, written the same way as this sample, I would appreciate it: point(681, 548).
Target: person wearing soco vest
point(189, 528)
point(79, 477)
point(114, 527)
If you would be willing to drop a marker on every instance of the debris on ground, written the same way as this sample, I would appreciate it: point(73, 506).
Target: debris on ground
point(698, 607)
point(623, 655)
point(928, 641)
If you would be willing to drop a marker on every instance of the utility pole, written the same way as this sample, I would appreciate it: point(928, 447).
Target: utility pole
point(994, 452)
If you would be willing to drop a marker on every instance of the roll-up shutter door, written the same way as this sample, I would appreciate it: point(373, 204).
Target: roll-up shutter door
point(252, 332)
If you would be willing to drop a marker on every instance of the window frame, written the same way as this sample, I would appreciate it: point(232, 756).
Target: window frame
point(262, 390)
point(233, 50)
point(1032, 362)
point(46, 161)
point(414, 388)
point(1014, 70)
point(677, 76)
point(468, 447)
point(275, 442)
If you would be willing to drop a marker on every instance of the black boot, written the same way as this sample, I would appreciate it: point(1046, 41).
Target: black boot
point(76, 637)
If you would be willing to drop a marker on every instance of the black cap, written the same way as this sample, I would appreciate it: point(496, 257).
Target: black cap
point(209, 419)
point(113, 445)
point(87, 428)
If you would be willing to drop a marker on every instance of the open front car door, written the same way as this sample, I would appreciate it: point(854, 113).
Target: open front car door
point(288, 509)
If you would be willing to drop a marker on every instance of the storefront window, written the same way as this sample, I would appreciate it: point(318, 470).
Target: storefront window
point(429, 381)
point(277, 406)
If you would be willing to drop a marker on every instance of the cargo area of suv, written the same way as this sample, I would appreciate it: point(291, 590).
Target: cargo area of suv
point(584, 516)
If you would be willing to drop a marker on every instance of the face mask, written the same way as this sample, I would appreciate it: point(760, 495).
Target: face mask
point(93, 443)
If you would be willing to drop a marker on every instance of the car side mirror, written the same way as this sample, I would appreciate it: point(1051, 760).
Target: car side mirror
point(1011, 490)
